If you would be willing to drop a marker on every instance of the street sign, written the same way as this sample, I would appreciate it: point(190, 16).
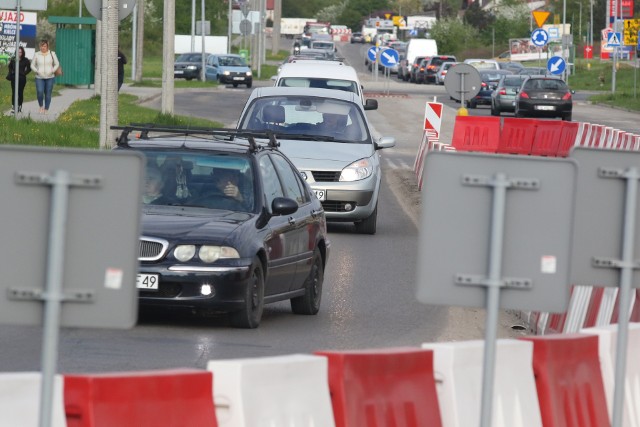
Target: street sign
point(372, 53)
point(539, 37)
point(389, 57)
point(631, 28)
point(556, 65)
point(245, 7)
point(433, 117)
point(24, 4)
point(540, 16)
point(588, 52)
point(463, 82)
point(125, 7)
point(613, 39)
point(245, 27)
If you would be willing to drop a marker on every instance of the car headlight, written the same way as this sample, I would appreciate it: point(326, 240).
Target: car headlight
point(356, 171)
point(192, 67)
point(214, 253)
point(184, 253)
point(249, 72)
point(226, 73)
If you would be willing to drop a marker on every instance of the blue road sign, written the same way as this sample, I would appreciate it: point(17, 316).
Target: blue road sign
point(556, 65)
point(389, 57)
point(539, 37)
point(371, 53)
point(613, 39)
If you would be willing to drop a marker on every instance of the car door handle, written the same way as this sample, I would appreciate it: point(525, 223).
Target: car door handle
point(315, 213)
point(292, 220)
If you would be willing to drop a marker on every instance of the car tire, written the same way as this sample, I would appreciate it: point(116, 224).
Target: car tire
point(309, 303)
point(249, 317)
point(567, 117)
point(249, 85)
point(470, 104)
point(494, 112)
point(235, 84)
point(368, 225)
point(518, 114)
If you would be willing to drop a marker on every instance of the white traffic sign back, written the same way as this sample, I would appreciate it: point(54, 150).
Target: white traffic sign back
point(433, 117)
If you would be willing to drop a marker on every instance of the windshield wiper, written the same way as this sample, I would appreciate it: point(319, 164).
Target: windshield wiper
point(304, 136)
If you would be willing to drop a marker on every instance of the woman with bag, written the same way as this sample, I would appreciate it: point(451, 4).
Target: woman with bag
point(45, 64)
point(24, 68)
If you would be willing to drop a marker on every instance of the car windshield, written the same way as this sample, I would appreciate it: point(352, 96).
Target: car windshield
point(189, 57)
point(212, 180)
point(307, 117)
point(336, 84)
point(321, 45)
point(232, 61)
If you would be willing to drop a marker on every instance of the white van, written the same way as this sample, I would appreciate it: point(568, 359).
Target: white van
point(483, 64)
point(421, 47)
point(336, 76)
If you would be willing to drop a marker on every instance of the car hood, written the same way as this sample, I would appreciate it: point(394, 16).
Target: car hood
point(307, 155)
point(176, 223)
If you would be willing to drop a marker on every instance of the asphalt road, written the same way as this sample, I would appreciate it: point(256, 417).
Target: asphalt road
point(369, 292)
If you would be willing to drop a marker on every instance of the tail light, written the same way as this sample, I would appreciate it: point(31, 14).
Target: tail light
point(502, 92)
point(421, 68)
point(483, 84)
point(524, 95)
point(567, 96)
point(431, 67)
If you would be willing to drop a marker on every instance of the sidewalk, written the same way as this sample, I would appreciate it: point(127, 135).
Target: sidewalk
point(68, 95)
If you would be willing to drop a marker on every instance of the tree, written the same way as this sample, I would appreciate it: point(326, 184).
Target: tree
point(453, 36)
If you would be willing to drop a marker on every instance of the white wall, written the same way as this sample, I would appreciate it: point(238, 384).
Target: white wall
point(212, 44)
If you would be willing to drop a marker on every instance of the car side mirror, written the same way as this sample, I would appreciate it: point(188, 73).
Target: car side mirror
point(371, 104)
point(385, 142)
point(283, 206)
point(274, 78)
point(572, 91)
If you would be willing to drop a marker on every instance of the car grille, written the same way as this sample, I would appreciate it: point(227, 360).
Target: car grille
point(237, 74)
point(332, 206)
point(326, 176)
point(165, 290)
point(151, 249)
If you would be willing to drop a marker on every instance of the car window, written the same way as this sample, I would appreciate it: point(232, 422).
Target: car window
point(270, 181)
point(336, 84)
point(290, 179)
point(512, 82)
point(232, 61)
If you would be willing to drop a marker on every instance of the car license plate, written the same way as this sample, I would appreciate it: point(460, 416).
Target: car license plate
point(147, 282)
point(178, 72)
point(513, 103)
point(320, 194)
point(545, 107)
point(238, 78)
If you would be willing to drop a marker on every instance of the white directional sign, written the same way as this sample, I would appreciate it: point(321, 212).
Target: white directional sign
point(556, 65)
point(613, 39)
point(539, 37)
point(389, 57)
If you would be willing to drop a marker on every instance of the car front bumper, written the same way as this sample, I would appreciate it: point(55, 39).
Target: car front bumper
point(186, 74)
point(234, 79)
point(347, 201)
point(180, 286)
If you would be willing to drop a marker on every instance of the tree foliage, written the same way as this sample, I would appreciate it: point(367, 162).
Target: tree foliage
point(453, 36)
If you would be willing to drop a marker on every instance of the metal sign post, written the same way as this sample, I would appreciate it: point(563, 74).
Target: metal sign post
point(608, 185)
point(509, 253)
point(59, 197)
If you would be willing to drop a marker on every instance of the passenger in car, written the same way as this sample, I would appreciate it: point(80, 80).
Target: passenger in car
point(228, 182)
point(153, 188)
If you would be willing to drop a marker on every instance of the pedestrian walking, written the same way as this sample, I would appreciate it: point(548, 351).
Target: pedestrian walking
point(45, 64)
point(24, 68)
point(121, 61)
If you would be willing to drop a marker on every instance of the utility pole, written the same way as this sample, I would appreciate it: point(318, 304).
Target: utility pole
point(109, 73)
point(139, 35)
point(168, 49)
point(275, 35)
point(202, 69)
point(193, 25)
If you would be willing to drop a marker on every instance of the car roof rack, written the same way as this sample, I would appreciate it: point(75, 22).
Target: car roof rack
point(219, 134)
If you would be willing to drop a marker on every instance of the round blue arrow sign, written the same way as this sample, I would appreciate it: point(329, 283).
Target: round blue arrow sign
point(539, 37)
point(556, 65)
point(371, 53)
point(389, 57)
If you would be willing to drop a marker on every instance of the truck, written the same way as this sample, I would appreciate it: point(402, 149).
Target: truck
point(293, 27)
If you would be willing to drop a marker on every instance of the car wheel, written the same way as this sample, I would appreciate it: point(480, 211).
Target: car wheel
point(405, 78)
point(235, 84)
point(309, 303)
point(249, 85)
point(518, 114)
point(471, 104)
point(494, 111)
point(249, 317)
point(368, 225)
point(189, 78)
point(567, 117)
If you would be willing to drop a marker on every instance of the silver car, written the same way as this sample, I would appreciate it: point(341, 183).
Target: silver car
point(326, 135)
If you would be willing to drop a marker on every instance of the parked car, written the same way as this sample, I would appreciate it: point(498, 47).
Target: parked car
point(489, 82)
point(327, 136)
point(432, 65)
point(357, 38)
point(189, 66)
point(442, 71)
point(235, 226)
point(503, 97)
point(229, 69)
point(543, 96)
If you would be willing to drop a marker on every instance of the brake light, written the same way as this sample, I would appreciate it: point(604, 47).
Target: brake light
point(431, 67)
point(524, 95)
point(421, 68)
point(567, 96)
point(503, 92)
point(483, 84)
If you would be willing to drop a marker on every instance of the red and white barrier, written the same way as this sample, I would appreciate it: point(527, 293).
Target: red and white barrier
point(458, 367)
point(288, 391)
point(607, 339)
point(20, 400)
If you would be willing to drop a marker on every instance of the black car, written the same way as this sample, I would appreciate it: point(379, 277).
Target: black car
point(189, 66)
point(234, 227)
point(489, 82)
point(542, 96)
point(357, 38)
point(432, 65)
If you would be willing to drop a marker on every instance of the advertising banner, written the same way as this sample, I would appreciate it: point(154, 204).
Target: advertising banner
point(525, 50)
point(8, 28)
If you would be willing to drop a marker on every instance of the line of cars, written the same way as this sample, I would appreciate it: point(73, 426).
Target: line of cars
point(236, 219)
point(223, 68)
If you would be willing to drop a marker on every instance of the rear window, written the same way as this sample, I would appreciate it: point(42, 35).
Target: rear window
point(546, 84)
point(440, 59)
point(513, 82)
point(336, 84)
